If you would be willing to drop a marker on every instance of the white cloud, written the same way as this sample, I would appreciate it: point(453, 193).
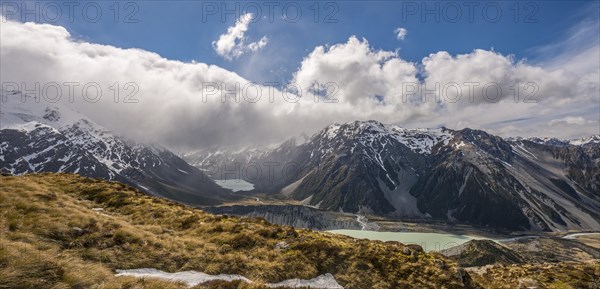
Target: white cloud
point(360, 72)
point(368, 85)
point(400, 33)
point(570, 120)
point(509, 97)
point(233, 43)
point(255, 46)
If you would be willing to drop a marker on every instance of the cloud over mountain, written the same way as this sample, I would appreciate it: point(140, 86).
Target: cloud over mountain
point(191, 105)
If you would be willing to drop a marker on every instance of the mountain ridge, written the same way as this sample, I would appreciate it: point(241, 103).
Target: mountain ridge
point(44, 137)
point(467, 176)
point(459, 176)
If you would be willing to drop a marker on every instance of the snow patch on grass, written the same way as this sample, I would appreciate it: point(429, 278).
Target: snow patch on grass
point(193, 278)
point(190, 278)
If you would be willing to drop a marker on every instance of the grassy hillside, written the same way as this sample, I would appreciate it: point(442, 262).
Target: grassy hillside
point(563, 275)
point(67, 231)
point(481, 253)
point(537, 263)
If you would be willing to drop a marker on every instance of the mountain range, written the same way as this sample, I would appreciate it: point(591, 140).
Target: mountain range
point(459, 176)
point(465, 176)
point(39, 137)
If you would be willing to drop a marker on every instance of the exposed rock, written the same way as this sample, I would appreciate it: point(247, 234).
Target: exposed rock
point(481, 253)
point(461, 274)
point(282, 246)
point(77, 232)
point(415, 247)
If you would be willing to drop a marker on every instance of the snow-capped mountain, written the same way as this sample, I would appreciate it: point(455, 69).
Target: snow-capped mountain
point(591, 140)
point(466, 176)
point(52, 137)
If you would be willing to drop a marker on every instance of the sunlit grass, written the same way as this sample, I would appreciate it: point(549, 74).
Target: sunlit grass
point(66, 231)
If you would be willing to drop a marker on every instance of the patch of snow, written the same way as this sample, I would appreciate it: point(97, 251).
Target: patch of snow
point(193, 278)
point(595, 139)
point(459, 145)
point(28, 127)
point(522, 150)
point(190, 278)
point(18, 108)
point(332, 130)
point(575, 235)
point(307, 200)
point(506, 164)
point(421, 140)
point(464, 184)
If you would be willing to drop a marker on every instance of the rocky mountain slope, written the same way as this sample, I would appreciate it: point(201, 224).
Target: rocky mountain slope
point(37, 136)
point(466, 176)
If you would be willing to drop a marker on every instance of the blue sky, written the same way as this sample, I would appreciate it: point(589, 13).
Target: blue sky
point(352, 44)
point(177, 30)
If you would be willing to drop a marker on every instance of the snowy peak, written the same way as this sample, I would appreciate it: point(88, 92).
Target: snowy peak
point(423, 140)
point(467, 176)
point(418, 140)
point(551, 141)
point(26, 114)
point(18, 109)
point(43, 137)
point(595, 139)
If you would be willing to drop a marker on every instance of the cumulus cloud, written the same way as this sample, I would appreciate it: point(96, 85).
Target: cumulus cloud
point(359, 72)
point(195, 105)
point(400, 33)
point(234, 43)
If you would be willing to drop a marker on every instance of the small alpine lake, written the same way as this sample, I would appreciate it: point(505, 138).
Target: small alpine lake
point(429, 241)
point(235, 185)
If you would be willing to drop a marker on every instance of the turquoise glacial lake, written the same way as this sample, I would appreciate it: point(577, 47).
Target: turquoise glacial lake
point(235, 185)
point(429, 241)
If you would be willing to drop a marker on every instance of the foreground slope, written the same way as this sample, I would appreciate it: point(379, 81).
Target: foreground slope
point(67, 231)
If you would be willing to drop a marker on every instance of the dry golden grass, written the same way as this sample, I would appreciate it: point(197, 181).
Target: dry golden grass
point(67, 231)
point(566, 275)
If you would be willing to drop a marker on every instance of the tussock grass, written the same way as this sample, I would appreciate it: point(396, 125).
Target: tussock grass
point(67, 231)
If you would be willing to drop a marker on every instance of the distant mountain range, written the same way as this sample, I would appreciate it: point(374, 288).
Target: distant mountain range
point(464, 176)
point(52, 137)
